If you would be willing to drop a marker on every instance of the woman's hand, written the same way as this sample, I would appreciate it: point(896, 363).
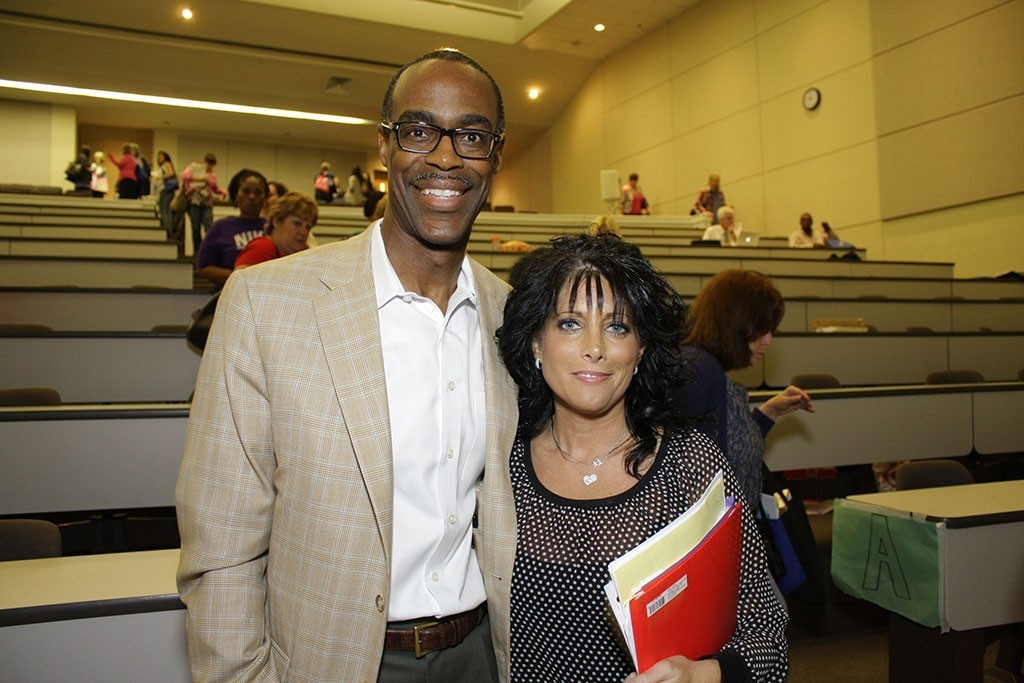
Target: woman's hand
point(785, 402)
point(680, 670)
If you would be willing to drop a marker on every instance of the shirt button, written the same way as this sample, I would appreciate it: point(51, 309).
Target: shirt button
point(380, 603)
point(435, 577)
point(451, 518)
point(450, 453)
point(451, 386)
point(407, 298)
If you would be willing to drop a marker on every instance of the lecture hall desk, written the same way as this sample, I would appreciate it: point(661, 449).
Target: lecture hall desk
point(946, 562)
point(92, 619)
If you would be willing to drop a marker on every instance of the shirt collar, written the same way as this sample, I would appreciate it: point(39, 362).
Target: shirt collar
point(388, 286)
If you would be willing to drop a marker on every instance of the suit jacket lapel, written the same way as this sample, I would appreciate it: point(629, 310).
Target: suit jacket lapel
point(350, 333)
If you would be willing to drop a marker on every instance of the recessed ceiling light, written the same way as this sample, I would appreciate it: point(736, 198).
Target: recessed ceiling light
point(533, 93)
point(598, 27)
point(186, 13)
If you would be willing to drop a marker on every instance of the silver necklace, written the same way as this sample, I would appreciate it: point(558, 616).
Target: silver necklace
point(590, 477)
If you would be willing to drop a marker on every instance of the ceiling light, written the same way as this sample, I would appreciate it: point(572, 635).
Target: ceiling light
point(598, 27)
point(533, 93)
point(186, 14)
point(181, 102)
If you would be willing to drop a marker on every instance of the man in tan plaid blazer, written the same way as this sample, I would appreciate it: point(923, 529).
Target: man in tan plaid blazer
point(287, 492)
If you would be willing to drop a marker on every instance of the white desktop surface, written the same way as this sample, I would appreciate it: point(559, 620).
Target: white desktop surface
point(108, 634)
point(952, 502)
point(87, 578)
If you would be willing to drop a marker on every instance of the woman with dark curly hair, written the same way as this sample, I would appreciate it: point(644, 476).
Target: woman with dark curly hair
point(591, 337)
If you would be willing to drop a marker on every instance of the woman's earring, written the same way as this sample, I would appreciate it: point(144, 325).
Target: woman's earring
point(636, 369)
point(536, 361)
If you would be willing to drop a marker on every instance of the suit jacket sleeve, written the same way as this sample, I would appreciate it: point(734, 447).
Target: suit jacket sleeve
point(225, 500)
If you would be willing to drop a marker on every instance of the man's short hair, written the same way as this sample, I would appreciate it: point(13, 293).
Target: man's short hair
point(446, 54)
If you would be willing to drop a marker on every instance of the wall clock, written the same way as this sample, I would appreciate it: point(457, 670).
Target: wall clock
point(812, 98)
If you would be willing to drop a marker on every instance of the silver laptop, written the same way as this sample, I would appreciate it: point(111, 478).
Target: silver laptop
point(749, 238)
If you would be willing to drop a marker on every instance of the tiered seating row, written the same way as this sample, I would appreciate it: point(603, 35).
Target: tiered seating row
point(879, 424)
point(101, 367)
point(94, 310)
point(885, 359)
point(85, 309)
point(109, 457)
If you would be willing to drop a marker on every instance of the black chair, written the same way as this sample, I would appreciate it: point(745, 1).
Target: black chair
point(923, 474)
point(28, 539)
point(815, 381)
point(954, 377)
point(29, 396)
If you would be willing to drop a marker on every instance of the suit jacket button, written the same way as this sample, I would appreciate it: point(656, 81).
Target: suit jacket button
point(380, 603)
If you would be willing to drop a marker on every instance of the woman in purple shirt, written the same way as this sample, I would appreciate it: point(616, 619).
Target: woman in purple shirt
point(227, 237)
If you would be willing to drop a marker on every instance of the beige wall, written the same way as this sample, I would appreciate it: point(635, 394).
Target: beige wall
point(38, 141)
point(917, 134)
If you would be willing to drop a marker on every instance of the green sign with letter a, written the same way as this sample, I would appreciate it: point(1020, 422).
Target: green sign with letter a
point(892, 561)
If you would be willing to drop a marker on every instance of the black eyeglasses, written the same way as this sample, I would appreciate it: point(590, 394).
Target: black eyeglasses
point(423, 138)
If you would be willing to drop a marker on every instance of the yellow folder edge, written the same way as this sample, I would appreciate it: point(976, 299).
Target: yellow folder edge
point(633, 570)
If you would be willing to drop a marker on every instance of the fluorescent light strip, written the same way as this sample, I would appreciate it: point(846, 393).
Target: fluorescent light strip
point(180, 102)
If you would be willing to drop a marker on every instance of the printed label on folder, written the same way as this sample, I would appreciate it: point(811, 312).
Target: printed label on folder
point(663, 599)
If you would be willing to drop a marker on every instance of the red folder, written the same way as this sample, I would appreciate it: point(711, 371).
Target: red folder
point(690, 608)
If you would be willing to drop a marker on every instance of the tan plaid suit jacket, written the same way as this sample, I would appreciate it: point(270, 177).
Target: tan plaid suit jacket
point(285, 492)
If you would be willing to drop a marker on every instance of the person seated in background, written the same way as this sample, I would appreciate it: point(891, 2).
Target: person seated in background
point(631, 198)
point(289, 223)
point(806, 237)
point(228, 236)
point(591, 338)
point(709, 199)
point(727, 231)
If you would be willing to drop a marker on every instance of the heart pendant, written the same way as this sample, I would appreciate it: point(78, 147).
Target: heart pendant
point(589, 479)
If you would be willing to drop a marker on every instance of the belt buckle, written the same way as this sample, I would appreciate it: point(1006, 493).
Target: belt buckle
point(417, 648)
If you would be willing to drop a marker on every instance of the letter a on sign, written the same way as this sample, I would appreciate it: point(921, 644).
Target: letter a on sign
point(882, 560)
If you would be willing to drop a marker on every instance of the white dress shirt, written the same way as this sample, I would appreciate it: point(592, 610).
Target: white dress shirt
point(433, 365)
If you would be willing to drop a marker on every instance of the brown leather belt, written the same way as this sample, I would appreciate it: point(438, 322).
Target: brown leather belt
point(429, 636)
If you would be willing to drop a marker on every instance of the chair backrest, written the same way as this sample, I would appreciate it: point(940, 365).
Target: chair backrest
point(28, 539)
point(954, 377)
point(815, 381)
point(925, 474)
point(29, 396)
